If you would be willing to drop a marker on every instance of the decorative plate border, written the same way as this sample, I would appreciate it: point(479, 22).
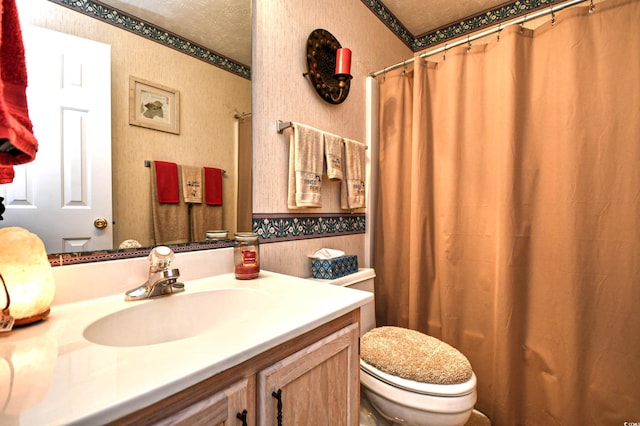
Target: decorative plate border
point(465, 27)
point(276, 227)
point(144, 29)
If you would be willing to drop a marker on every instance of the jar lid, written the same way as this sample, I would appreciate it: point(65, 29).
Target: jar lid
point(242, 236)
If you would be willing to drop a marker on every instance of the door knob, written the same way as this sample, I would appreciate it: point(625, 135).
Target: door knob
point(100, 223)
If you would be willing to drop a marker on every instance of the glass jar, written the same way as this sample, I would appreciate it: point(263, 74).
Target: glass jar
point(246, 255)
point(216, 235)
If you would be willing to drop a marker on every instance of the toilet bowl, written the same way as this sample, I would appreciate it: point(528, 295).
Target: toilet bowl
point(388, 399)
point(411, 378)
point(403, 401)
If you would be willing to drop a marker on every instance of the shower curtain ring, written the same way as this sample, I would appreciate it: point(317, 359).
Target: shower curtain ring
point(553, 16)
point(522, 24)
point(592, 7)
point(444, 54)
point(468, 44)
point(499, 30)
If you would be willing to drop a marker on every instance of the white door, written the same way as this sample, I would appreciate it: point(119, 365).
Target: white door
point(67, 187)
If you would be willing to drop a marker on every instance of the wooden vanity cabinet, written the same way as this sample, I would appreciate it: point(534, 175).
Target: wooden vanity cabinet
point(224, 408)
point(316, 374)
point(314, 385)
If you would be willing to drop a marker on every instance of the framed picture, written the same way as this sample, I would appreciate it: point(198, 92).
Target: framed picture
point(153, 106)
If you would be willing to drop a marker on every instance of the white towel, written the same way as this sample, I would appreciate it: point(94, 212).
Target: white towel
point(305, 167)
point(333, 156)
point(352, 192)
point(191, 184)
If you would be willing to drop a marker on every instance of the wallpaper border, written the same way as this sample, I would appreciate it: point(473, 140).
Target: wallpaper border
point(144, 29)
point(277, 227)
point(467, 26)
point(122, 20)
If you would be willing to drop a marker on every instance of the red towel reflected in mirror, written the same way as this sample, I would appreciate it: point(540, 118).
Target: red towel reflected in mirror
point(213, 186)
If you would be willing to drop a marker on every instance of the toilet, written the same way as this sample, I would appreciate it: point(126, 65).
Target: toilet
point(392, 393)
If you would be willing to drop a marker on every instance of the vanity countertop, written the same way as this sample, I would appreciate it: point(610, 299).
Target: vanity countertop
point(56, 376)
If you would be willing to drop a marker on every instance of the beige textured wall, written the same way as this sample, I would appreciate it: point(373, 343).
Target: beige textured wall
point(209, 98)
point(281, 29)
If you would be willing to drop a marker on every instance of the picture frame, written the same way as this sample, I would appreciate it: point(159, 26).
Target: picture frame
point(154, 106)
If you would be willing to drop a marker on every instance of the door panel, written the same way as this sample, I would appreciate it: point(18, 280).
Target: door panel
point(68, 186)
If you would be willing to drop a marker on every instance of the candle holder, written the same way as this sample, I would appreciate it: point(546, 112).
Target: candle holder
point(322, 47)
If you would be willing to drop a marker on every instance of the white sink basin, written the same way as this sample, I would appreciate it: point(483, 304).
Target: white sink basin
point(175, 317)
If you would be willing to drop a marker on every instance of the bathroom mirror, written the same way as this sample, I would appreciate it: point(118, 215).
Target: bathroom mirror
point(60, 16)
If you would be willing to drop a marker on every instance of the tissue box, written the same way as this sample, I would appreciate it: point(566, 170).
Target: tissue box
point(328, 269)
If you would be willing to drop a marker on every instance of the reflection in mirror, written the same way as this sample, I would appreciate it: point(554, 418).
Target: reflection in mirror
point(215, 101)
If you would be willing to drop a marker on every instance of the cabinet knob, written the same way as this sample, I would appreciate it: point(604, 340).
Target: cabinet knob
point(242, 416)
point(278, 395)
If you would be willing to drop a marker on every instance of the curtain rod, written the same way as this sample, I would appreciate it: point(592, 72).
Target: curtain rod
point(490, 31)
point(239, 115)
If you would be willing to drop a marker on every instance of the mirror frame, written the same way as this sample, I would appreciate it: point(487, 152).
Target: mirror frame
point(127, 22)
point(63, 259)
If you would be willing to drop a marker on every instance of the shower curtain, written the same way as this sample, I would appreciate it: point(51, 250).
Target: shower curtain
point(244, 175)
point(508, 214)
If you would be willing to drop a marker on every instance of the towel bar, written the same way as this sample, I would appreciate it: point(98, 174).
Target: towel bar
point(282, 125)
point(147, 163)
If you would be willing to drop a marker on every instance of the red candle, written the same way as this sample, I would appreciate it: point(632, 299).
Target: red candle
point(343, 61)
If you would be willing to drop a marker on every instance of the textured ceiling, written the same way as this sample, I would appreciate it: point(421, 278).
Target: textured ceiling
point(423, 16)
point(223, 26)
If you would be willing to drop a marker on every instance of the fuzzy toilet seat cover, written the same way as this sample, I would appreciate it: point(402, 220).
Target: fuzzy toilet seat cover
point(415, 356)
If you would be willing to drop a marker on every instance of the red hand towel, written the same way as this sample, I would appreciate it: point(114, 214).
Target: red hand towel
point(6, 174)
point(213, 186)
point(167, 182)
point(17, 142)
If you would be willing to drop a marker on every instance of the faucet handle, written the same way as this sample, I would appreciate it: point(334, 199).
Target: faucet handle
point(160, 258)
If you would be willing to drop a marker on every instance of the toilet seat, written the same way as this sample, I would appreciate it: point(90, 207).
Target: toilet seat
point(413, 355)
point(412, 378)
point(420, 387)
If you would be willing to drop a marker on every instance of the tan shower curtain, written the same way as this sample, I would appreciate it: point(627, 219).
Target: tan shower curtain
point(244, 175)
point(508, 214)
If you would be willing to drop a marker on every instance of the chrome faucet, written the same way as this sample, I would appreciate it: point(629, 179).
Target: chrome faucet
point(162, 280)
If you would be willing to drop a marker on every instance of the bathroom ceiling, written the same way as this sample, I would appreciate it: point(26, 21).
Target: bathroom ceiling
point(223, 26)
point(199, 21)
point(424, 16)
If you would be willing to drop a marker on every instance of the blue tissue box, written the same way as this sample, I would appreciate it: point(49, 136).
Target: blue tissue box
point(329, 269)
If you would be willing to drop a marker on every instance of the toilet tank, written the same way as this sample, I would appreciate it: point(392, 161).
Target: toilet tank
point(361, 280)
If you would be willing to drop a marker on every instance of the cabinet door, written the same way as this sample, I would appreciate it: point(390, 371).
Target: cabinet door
point(220, 409)
point(318, 385)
